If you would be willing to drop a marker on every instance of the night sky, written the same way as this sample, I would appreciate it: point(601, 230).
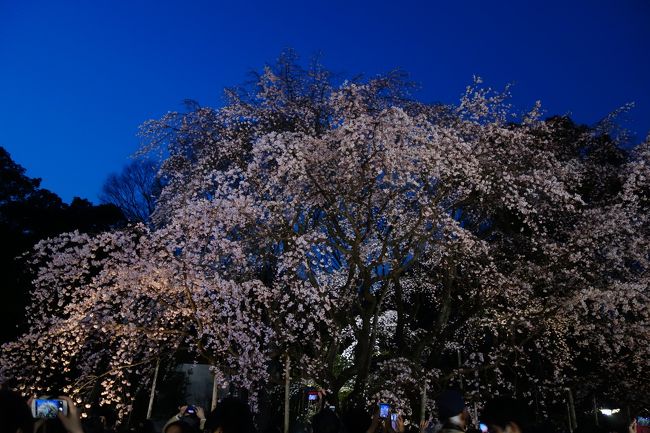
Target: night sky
point(78, 78)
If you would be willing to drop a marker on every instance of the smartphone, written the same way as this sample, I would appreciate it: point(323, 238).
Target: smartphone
point(384, 410)
point(312, 396)
point(190, 410)
point(48, 408)
point(642, 424)
point(393, 421)
point(483, 428)
point(332, 408)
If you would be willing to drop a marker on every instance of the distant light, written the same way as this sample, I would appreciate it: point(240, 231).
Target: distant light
point(609, 412)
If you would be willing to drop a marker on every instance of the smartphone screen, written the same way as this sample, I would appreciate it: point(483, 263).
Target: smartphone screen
point(190, 410)
point(483, 428)
point(312, 396)
point(642, 424)
point(43, 408)
point(384, 409)
point(393, 421)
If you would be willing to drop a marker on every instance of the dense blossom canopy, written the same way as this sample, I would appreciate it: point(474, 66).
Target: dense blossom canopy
point(377, 241)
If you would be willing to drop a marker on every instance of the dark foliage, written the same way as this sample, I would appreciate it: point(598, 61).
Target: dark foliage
point(28, 214)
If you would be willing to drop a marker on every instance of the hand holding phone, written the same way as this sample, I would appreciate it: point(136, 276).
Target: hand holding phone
point(642, 424)
point(49, 408)
point(190, 410)
point(62, 408)
point(384, 410)
point(397, 423)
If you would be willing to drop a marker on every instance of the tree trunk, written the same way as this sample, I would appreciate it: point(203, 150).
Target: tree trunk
point(423, 402)
point(153, 389)
point(362, 357)
point(215, 390)
point(287, 372)
point(399, 332)
point(572, 410)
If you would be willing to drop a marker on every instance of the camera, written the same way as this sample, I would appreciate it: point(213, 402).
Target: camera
point(49, 408)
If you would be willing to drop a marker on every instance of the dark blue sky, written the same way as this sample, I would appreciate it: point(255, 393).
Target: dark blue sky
point(77, 78)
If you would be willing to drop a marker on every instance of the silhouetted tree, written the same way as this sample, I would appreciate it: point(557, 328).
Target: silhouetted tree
point(29, 213)
point(135, 190)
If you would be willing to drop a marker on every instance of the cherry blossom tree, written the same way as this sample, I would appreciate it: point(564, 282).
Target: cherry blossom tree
point(377, 242)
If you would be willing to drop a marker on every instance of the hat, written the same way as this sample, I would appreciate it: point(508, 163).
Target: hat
point(450, 404)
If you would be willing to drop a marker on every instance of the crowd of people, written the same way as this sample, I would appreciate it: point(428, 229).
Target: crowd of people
point(232, 415)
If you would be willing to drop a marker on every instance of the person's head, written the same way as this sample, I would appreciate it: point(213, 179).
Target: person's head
point(15, 415)
point(230, 416)
point(192, 420)
point(180, 427)
point(355, 419)
point(52, 426)
point(451, 408)
point(93, 425)
point(507, 415)
point(146, 426)
point(326, 421)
